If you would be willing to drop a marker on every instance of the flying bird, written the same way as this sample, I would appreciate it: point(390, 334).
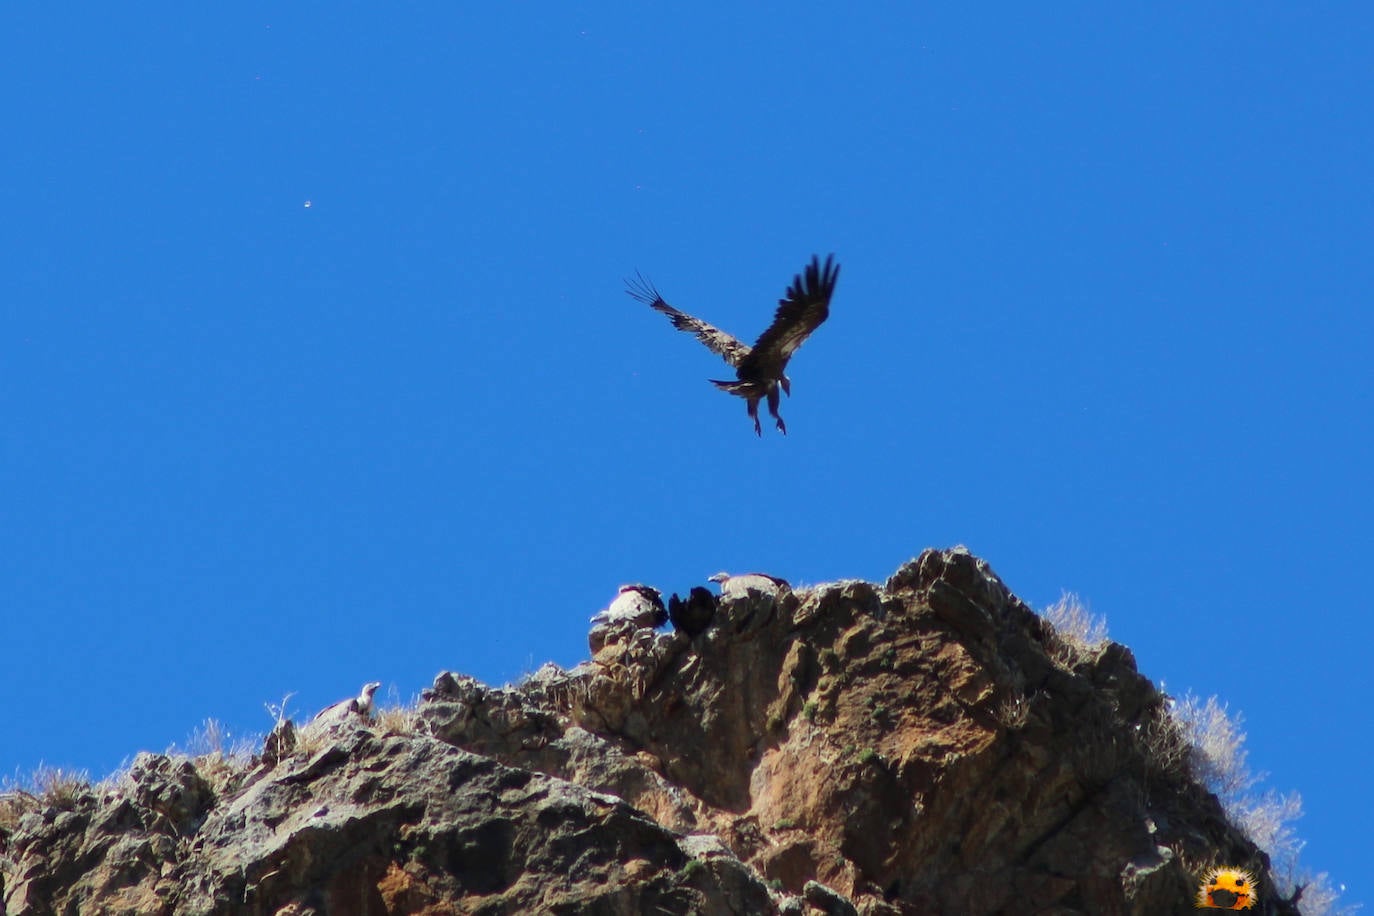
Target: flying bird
point(760, 369)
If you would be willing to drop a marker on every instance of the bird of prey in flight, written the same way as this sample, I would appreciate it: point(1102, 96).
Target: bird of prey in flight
point(759, 370)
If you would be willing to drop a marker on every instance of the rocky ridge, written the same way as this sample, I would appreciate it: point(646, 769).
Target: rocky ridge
point(927, 746)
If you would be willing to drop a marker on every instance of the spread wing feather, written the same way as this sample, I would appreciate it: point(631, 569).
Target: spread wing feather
point(805, 306)
point(730, 349)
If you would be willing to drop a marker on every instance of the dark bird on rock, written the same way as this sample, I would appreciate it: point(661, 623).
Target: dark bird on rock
point(693, 615)
point(638, 605)
point(760, 369)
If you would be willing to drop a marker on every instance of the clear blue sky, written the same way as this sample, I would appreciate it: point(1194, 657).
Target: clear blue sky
point(316, 365)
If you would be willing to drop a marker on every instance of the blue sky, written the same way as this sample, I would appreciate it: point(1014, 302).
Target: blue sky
point(317, 365)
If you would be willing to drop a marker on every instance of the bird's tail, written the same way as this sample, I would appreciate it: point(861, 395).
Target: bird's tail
point(734, 387)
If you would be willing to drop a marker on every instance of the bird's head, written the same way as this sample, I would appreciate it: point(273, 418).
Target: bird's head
point(719, 578)
point(370, 688)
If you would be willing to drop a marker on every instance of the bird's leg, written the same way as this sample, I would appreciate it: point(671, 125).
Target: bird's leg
point(754, 413)
point(773, 409)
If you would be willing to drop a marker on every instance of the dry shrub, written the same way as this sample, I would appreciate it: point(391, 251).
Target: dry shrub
point(1167, 744)
point(1079, 635)
point(219, 757)
point(397, 718)
point(1011, 713)
point(45, 787)
point(1218, 759)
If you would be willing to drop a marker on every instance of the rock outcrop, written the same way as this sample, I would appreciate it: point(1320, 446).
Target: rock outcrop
point(928, 746)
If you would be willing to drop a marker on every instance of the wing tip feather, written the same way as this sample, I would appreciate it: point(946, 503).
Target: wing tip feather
point(642, 289)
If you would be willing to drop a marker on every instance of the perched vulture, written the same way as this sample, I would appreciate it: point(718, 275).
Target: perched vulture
point(741, 586)
point(693, 615)
point(361, 705)
point(638, 605)
point(760, 369)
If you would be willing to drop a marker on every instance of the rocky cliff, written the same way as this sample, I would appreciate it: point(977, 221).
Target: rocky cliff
point(927, 746)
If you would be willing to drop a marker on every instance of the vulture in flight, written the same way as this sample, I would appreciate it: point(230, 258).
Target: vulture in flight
point(759, 370)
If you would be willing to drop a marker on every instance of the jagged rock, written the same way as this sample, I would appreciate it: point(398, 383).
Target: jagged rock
point(279, 744)
point(924, 747)
point(827, 901)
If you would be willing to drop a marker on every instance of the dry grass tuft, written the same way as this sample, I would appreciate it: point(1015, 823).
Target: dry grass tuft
point(44, 787)
point(310, 741)
point(212, 739)
point(58, 787)
point(397, 718)
point(1079, 634)
point(14, 804)
point(1168, 745)
point(219, 757)
point(1013, 712)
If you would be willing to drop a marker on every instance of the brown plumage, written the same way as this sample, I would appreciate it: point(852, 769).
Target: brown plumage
point(760, 369)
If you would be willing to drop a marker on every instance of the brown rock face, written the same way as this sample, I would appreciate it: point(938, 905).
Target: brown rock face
point(929, 746)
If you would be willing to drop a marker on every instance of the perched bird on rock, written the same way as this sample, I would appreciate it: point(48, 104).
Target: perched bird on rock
point(638, 605)
point(760, 369)
point(360, 706)
point(362, 703)
point(740, 586)
point(693, 615)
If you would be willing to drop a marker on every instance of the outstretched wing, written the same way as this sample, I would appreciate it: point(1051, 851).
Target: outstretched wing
point(806, 305)
point(728, 348)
